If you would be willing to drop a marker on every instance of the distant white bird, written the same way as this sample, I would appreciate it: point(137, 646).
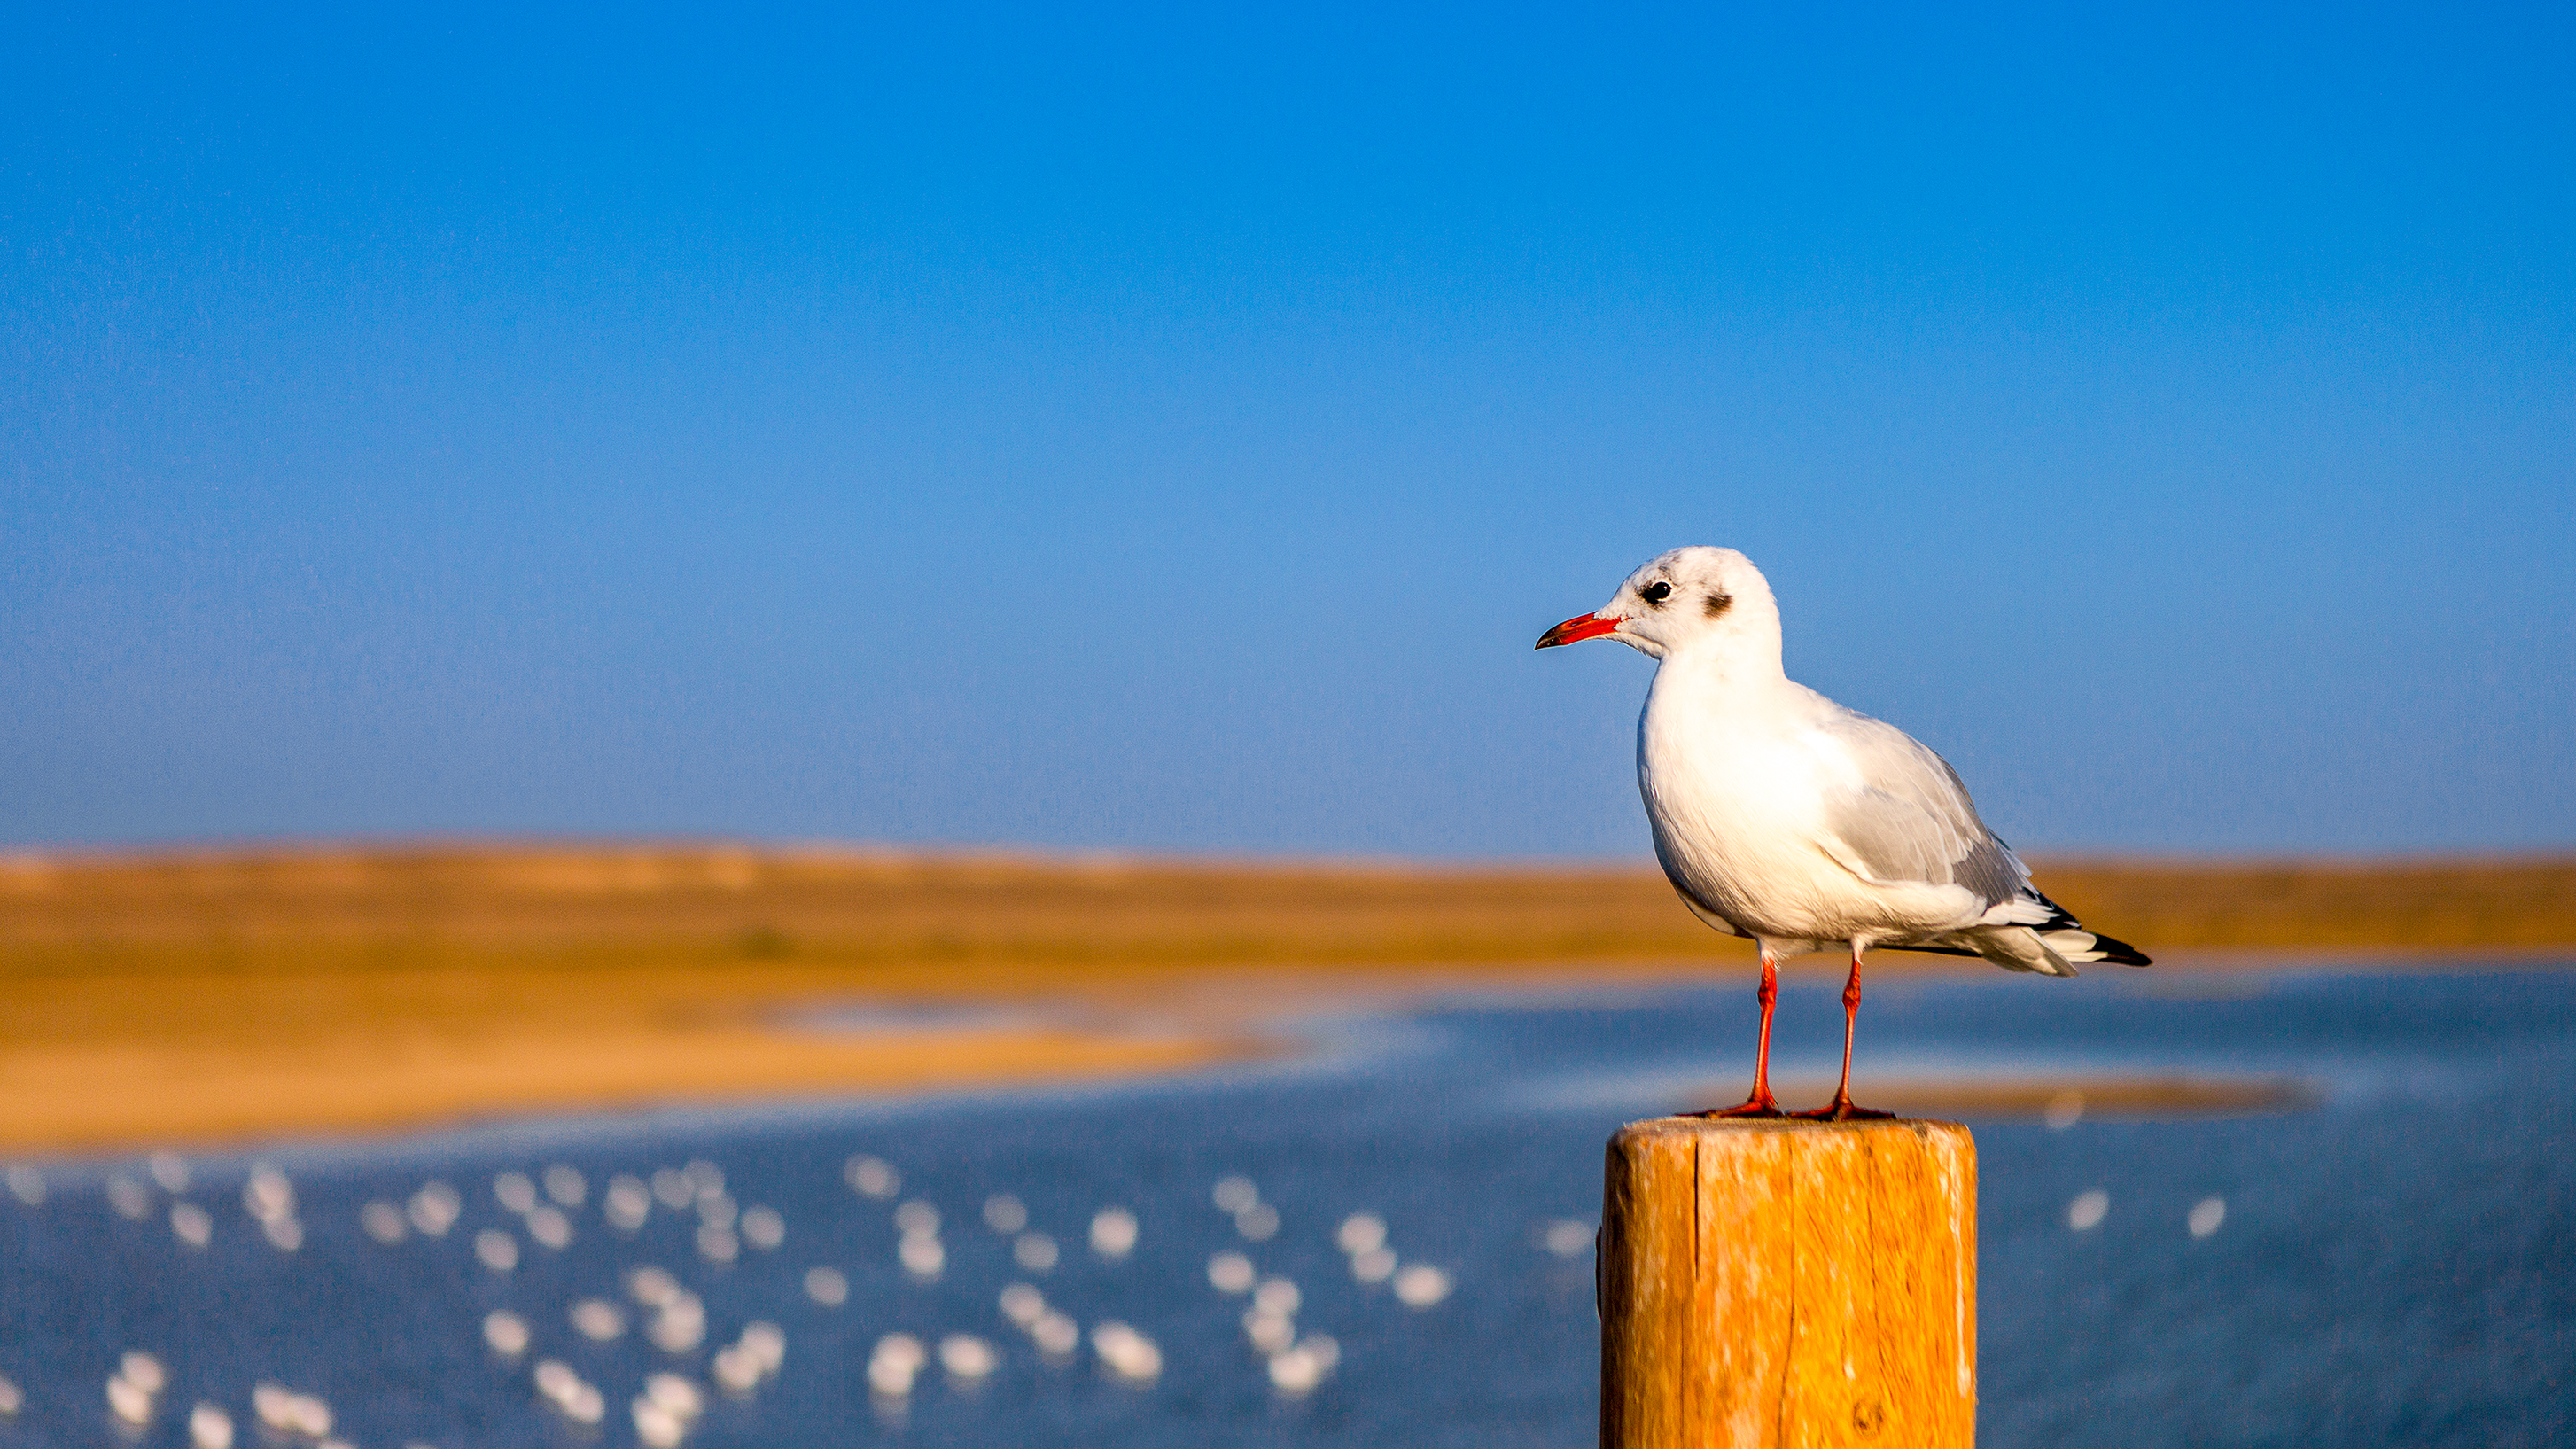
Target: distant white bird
point(1785, 818)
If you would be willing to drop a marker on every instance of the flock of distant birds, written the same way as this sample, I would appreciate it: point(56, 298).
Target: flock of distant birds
point(674, 1319)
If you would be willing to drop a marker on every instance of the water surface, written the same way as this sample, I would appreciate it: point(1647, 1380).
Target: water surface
point(2394, 1264)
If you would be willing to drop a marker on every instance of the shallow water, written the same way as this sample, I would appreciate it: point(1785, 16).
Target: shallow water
point(2396, 1264)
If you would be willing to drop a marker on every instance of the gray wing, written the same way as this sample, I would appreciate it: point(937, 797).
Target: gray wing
point(1911, 820)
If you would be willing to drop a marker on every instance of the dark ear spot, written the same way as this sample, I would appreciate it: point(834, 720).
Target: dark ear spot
point(1717, 603)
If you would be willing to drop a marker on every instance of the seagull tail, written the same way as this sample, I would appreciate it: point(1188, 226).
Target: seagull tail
point(2077, 944)
point(2066, 939)
point(2019, 948)
point(2053, 946)
point(2046, 941)
point(2014, 948)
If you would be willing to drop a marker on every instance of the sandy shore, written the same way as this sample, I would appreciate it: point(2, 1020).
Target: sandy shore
point(225, 997)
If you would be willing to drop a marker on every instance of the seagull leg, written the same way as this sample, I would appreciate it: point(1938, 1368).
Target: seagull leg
point(1760, 1103)
point(1841, 1108)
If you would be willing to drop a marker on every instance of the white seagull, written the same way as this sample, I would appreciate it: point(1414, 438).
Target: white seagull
point(1785, 818)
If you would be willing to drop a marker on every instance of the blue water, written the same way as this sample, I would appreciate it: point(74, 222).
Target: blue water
point(2396, 1263)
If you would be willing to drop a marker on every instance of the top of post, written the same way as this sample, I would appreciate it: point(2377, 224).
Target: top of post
point(1695, 1125)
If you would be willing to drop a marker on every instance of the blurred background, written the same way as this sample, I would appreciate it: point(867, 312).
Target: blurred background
point(728, 594)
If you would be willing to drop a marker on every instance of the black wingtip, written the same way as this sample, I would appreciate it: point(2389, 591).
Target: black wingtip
point(2120, 953)
point(2114, 950)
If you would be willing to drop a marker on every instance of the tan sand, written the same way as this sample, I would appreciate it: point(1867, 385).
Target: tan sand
point(215, 996)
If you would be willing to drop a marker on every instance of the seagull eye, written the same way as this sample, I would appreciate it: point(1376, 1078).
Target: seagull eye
point(1656, 592)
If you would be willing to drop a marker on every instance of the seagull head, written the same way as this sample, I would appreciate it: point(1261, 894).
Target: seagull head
point(1675, 600)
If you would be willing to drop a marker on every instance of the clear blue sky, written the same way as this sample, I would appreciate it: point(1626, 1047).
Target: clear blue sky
point(1168, 429)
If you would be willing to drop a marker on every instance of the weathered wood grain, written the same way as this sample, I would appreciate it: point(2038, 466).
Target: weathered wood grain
point(1788, 1283)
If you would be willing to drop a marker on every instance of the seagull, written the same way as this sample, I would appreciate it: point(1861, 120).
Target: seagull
point(1785, 818)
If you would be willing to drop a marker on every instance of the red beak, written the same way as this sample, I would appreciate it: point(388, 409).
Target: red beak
point(1578, 629)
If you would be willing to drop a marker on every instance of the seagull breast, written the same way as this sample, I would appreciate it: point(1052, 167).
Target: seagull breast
point(1753, 790)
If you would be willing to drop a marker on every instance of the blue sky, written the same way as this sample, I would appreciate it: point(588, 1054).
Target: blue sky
point(1165, 430)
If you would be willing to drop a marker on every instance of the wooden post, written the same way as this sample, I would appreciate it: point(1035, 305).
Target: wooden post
point(1789, 1283)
